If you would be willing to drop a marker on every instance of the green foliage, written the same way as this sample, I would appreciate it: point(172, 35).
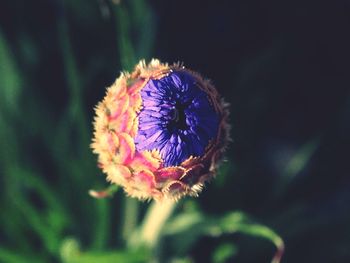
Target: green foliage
point(10, 256)
point(188, 227)
point(71, 253)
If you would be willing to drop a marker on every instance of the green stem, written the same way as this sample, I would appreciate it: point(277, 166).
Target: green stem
point(154, 221)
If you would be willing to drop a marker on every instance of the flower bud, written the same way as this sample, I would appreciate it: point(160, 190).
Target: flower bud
point(160, 131)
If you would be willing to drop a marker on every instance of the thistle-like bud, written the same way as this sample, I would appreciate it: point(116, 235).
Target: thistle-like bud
point(160, 131)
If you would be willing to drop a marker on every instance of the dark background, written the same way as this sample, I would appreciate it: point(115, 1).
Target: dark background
point(282, 66)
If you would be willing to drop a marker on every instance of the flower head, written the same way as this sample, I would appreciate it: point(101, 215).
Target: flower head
point(160, 131)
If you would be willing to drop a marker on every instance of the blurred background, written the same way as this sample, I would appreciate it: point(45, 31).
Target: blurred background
point(282, 66)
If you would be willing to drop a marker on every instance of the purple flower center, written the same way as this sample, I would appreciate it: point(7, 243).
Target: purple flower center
point(176, 118)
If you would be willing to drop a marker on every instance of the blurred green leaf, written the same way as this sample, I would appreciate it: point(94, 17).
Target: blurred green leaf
point(183, 222)
point(126, 49)
point(143, 22)
point(300, 159)
point(47, 222)
point(187, 228)
point(223, 252)
point(297, 164)
point(10, 256)
point(10, 79)
point(71, 253)
point(75, 117)
point(134, 18)
point(181, 260)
